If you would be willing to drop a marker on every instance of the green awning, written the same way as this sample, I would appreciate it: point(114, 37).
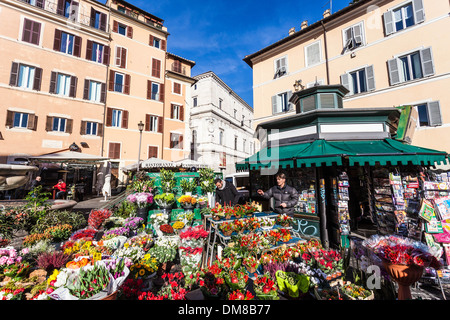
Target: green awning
point(327, 153)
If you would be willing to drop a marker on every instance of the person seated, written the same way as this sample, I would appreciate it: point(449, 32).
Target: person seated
point(61, 187)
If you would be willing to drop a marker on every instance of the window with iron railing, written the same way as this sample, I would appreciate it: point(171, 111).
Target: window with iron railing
point(178, 67)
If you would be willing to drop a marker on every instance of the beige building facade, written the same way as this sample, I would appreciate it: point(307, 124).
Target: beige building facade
point(386, 52)
point(88, 73)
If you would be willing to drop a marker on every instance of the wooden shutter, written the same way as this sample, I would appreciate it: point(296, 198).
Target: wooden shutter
point(77, 47)
point(394, 73)
point(123, 58)
point(171, 110)
point(73, 86)
point(109, 117)
point(274, 104)
point(49, 124)
point(150, 40)
point(161, 92)
point(31, 125)
point(127, 84)
point(86, 89)
point(125, 119)
point(149, 89)
point(163, 45)
point(37, 79)
point(103, 93)
point(53, 82)
point(370, 78)
point(89, 50)
point(152, 152)
point(60, 8)
point(130, 32)
point(57, 40)
point(160, 125)
point(9, 119)
point(106, 55)
point(114, 150)
point(115, 26)
point(147, 122)
point(27, 27)
point(35, 32)
point(103, 21)
point(388, 19)
point(83, 127)
point(434, 114)
point(14, 76)
point(419, 12)
point(92, 21)
point(111, 80)
point(118, 56)
point(180, 141)
point(426, 58)
point(100, 129)
point(156, 68)
point(69, 125)
point(111, 150)
point(182, 113)
point(40, 4)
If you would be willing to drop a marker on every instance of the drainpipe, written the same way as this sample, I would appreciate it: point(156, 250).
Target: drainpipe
point(107, 80)
point(326, 52)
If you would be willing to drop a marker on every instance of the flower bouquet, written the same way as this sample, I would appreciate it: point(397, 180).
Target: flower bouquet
point(166, 229)
point(285, 235)
point(164, 200)
point(250, 208)
point(186, 217)
point(202, 201)
point(90, 282)
point(292, 283)
point(251, 263)
point(226, 228)
point(217, 212)
point(211, 284)
point(158, 219)
point(11, 294)
point(284, 220)
point(188, 185)
point(187, 201)
point(240, 295)
point(329, 261)
point(178, 226)
point(266, 223)
point(265, 288)
point(141, 199)
point(238, 226)
point(355, 292)
point(18, 270)
point(238, 211)
point(206, 177)
point(141, 271)
point(59, 232)
point(236, 280)
point(97, 217)
point(83, 234)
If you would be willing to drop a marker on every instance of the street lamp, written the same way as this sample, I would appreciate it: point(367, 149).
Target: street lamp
point(140, 127)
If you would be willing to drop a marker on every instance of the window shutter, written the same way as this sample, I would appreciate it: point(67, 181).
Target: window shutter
point(125, 119)
point(89, 50)
point(370, 78)
point(161, 92)
point(358, 34)
point(36, 32)
point(394, 73)
point(14, 76)
point(57, 40)
point(106, 55)
point(77, 47)
point(53, 82)
point(127, 84)
point(26, 34)
point(434, 114)
point(426, 58)
point(130, 32)
point(118, 56)
point(111, 80)
point(103, 21)
point(160, 125)
point(163, 45)
point(83, 127)
point(147, 122)
point(9, 119)
point(156, 65)
point(111, 153)
point(69, 125)
point(289, 95)
point(103, 93)
point(149, 89)
point(86, 89)
point(92, 21)
point(100, 129)
point(60, 8)
point(347, 38)
point(123, 58)
point(171, 110)
point(274, 104)
point(40, 4)
point(37, 79)
point(31, 122)
point(108, 117)
point(49, 124)
point(73, 86)
point(419, 12)
point(180, 142)
point(388, 23)
point(182, 113)
point(117, 151)
point(345, 81)
point(150, 40)
point(152, 152)
point(115, 26)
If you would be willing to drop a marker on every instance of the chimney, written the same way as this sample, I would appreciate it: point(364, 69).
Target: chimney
point(304, 24)
point(327, 13)
point(291, 31)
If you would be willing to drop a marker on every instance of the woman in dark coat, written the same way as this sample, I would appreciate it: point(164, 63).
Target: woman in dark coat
point(286, 197)
point(226, 193)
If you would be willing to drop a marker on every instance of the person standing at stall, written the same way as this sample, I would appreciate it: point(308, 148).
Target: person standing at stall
point(61, 187)
point(285, 196)
point(226, 193)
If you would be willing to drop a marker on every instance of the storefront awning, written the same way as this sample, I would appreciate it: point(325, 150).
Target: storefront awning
point(327, 153)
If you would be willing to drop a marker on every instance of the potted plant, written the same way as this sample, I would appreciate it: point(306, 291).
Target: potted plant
point(167, 180)
point(284, 220)
point(164, 200)
point(265, 288)
point(251, 263)
point(187, 201)
point(207, 186)
point(188, 186)
point(142, 201)
point(226, 228)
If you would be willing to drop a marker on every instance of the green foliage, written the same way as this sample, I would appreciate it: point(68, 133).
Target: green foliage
point(54, 218)
point(124, 210)
point(141, 183)
point(206, 177)
point(36, 206)
point(188, 185)
point(167, 180)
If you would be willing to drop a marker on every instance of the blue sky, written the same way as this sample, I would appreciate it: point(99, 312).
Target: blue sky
point(217, 35)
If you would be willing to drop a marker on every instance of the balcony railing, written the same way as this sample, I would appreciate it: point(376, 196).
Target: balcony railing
point(178, 68)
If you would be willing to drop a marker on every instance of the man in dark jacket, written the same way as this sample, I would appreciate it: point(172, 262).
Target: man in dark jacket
point(286, 197)
point(226, 193)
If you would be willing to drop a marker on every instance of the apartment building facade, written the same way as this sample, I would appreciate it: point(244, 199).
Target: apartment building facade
point(385, 52)
point(83, 71)
point(220, 123)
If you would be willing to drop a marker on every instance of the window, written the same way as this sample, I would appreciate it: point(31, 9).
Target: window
point(429, 114)
point(63, 84)
point(221, 141)
point(114, 150)
point(59, 124)
point(176, 88)
point(116, 118)
point(220, 103)
point(25, 76)
point(121, 57)
point(176, 141)
point(98, 20)
point(415, 65)
point(312, 54)
point(177, 112)
point(280, 67)
point(153, 123)
point(36, 3)
point(235, 142)
point(358, 81)
point(156, 68)
point(118, 82)
point(70, 8)
point(280, 102)
point(353, 37)
point(157, 42)
point(403, 17)
point(67, 43)
point(97, 52)
point(155, 91)
point(31, 31)
point(91, 128)
point(20, 120)
point(152, 152)
point(194, 101)
point(123, 29)
point(95, 91)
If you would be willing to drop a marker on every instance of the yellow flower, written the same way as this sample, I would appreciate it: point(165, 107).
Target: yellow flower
point(141, 272)
point(126, 245)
